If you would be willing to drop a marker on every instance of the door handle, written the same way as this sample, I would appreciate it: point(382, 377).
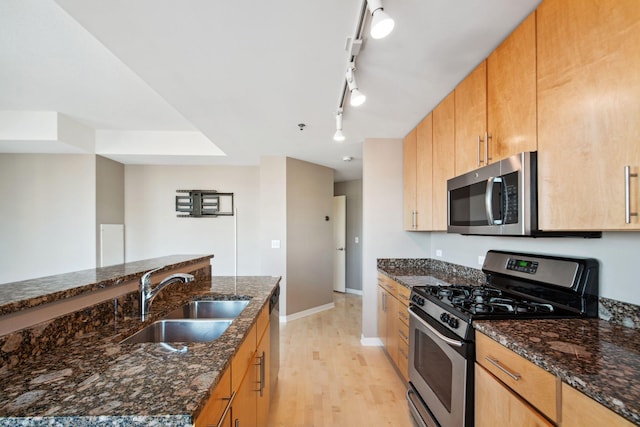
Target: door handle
point(339, 249)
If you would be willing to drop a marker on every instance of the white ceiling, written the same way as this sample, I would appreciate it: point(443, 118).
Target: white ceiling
point(242, 73)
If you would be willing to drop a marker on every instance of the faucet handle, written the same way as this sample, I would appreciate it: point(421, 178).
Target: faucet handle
point(146, 276)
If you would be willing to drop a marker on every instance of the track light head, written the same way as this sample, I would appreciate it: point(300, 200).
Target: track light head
point(339, 136)
point(357, 97)
point(381, 23)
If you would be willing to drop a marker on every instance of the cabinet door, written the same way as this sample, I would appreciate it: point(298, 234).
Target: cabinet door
point(393, 338)
point(262, 371)
point(383, 296)
point(496, 405)
point(579, 410)
point(410, 183)
point(511, 93)
point(424, 180)
point(217, 403)
point(443, 159)
point(588, 109)
point(470, 120)
point(244, 404)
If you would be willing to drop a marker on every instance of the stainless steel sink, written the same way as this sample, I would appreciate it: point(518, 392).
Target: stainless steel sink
point(209, 309)
point(180, 330)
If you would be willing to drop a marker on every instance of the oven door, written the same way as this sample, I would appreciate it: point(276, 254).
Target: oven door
point(440, 371)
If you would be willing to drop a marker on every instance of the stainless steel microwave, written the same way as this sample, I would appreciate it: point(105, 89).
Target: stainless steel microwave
point(499, 199)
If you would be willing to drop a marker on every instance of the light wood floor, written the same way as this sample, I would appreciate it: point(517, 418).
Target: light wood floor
point(328, 379)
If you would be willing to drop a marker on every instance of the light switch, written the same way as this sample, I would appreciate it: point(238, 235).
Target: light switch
point(275, 244)
point(357, 240)
point(438, 252)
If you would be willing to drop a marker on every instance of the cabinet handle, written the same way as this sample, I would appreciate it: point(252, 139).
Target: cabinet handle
point(403, 335)
point(226, 410)
point(236, 423)
point(479, 151)
point(487, 137)
point(384, 302)
point(414, 219)
point(497, 364)
point(627, 194)
point(262, 373)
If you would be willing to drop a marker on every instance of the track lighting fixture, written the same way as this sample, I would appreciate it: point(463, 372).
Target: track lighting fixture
point(381, 23)
point(339, 136)
point(357, 97)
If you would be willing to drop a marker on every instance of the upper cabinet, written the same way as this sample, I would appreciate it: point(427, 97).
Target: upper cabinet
point(495, 108)
point(511, 94)
point(417, 177)
point(471, 120)
point(443, 161)
point(588, 110)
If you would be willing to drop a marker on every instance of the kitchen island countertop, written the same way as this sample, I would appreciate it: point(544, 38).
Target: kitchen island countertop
point(95, 380)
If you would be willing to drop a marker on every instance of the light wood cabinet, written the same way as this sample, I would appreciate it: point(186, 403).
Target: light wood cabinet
point(250, 376)
point(511, 93)
point(393, 322)
point(443, 160)
point(217, 403)
point(410, 184)
point(588, 109)
point(532, 383)
point(496, 405)
point(470, 120)
point(495, 105)
point(417, 177)
point(578, 410)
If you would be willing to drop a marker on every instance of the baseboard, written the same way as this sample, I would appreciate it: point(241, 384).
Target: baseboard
point(308, 312)
point(370, 342)
point(354, 291)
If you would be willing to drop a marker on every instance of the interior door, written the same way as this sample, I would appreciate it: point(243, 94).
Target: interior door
point(339, 243)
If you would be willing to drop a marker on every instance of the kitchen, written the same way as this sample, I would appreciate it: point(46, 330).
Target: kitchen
point(382, 238)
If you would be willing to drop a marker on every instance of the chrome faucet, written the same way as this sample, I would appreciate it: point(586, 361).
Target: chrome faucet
point(147, 294)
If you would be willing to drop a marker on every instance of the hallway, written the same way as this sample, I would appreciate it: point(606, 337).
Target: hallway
point(328, 379)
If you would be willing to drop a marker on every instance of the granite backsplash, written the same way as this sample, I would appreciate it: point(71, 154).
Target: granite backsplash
point(42, 338)
point(616, 312)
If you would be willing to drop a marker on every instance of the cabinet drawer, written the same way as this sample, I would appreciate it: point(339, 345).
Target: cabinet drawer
point(243, 358)
point(217, 403)
point(262, 322)
point(532, 383)
point(403, 332)
point(403, 295)
point(403, 359)
point(389, 284)
point(403, 314)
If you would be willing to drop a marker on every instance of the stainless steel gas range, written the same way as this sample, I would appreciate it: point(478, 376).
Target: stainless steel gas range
point(441, 340)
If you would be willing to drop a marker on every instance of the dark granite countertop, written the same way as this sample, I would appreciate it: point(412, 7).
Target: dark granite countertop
point(598, 358)
point(97, 381)
point(17, 296)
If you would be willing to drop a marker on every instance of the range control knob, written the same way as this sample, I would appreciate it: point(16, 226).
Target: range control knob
point(444, 317)
point(453, 322)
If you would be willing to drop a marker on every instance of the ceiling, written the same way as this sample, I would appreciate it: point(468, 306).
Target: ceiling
point(241, 74)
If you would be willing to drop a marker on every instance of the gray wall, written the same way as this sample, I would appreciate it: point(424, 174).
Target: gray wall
point(382, 234)
point(353, 192)
point(47, 214)
point(309, 236)
point(152, 228)
point(109, 196)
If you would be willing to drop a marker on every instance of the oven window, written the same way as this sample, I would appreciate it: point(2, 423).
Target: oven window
point(434, 367)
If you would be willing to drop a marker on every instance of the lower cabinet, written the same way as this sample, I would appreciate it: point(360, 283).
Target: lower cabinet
point(578, 410)
point(245, 385)
point(497, 405)
point(393, 322)
point(512, 391)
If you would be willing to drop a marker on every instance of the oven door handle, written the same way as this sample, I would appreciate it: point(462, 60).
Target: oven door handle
point(435, 331)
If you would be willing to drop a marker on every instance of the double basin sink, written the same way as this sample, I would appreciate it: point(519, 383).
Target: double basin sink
point(196, 321)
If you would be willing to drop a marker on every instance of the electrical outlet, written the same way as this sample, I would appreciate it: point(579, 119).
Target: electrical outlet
point(439, 252)
point(480, 259)
point(357, 240)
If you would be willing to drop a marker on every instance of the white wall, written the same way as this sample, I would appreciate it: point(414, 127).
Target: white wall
point(382, 233)
point(47, 215)
point(618, 253)
point(152, 228)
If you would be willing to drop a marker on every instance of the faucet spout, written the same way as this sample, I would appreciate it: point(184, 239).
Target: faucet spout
point(147, 294)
